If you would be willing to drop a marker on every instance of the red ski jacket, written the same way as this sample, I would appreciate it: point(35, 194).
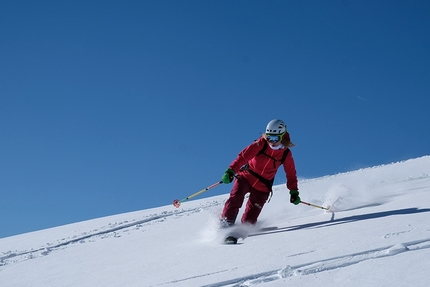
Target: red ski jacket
point(264, 165)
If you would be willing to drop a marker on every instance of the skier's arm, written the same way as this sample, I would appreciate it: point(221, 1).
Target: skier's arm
point(290, 171)
point(247, 154)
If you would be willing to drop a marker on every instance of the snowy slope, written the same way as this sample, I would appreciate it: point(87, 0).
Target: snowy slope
point(379, 235)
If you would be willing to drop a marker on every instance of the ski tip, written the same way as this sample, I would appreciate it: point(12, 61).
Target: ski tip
point(230, 240)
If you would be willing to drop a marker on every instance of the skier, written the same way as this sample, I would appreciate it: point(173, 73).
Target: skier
point(254, 171)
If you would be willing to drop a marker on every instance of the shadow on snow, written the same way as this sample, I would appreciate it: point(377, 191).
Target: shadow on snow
point(332, 222)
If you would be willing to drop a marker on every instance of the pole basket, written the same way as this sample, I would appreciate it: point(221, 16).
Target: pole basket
point(176, 203)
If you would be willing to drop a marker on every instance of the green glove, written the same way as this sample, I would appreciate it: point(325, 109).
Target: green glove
point(228, 176)
point(295, 198)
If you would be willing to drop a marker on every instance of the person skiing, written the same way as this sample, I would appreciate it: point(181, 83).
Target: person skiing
point(254, 171)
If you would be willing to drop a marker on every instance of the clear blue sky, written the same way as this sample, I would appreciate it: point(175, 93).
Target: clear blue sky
point(108, 107)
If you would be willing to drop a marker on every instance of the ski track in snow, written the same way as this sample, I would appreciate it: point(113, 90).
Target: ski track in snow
point(113, 230)
point(322, 265)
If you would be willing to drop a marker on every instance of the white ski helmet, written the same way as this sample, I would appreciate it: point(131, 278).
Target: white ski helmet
point(276, 127)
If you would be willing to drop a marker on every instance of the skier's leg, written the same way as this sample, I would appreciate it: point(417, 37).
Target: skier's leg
point(254, 205)
point(231, 207)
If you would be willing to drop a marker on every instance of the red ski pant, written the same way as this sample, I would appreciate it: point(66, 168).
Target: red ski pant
point(255, 202)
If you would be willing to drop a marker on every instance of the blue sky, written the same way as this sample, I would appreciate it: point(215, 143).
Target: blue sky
point(108, 107)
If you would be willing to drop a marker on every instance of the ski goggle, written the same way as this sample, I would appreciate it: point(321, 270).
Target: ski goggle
point(274, 138)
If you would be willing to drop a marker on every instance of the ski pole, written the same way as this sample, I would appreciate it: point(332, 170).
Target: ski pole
point(317, 206)
point(177, 202)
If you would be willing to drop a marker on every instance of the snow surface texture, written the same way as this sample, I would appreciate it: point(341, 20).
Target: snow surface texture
point(379, 235)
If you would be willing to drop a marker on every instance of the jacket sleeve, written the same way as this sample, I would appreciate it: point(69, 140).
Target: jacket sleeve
point(247, 154)
point(290, 171)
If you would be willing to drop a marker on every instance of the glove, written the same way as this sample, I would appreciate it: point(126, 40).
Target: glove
point(228, 176)
point(294, 197)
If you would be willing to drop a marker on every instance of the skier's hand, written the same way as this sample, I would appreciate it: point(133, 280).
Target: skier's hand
point(294, 197)
point(228, 176)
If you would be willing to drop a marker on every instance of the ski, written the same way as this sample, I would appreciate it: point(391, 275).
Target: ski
point(230, 240)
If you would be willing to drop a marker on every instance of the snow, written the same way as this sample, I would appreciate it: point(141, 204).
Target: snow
point(378, 235)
